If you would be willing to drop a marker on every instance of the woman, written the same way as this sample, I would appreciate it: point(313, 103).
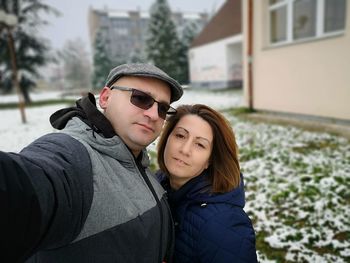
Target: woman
point(198, 160)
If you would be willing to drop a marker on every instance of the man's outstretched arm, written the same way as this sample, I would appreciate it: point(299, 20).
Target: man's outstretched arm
point(45, 195)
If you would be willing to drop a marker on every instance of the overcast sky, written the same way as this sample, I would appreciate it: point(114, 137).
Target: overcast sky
point(73, 21)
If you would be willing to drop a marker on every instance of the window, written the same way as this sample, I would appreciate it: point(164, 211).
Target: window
point(121, 31)
point(334, 15)
point(294, 20)
point(304, 19)
point(278, 24)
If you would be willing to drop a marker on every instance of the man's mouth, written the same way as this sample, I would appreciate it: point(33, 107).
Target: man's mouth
point(146, 127)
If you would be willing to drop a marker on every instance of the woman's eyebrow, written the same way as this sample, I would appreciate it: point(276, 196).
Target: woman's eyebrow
point(181, 128)
point(198, 137)
point(202, 138)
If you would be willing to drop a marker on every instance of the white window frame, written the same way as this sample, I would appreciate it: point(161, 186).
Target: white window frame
point(320, 16)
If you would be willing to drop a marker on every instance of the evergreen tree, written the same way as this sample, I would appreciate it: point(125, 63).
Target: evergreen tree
point(31, 50)
point(102, 62)
point(188, 34)
point(138, 56)
point(163, 45)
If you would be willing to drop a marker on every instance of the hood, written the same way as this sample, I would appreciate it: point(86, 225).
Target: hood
point(198, 190)
point(87, 111)
point(86, 122)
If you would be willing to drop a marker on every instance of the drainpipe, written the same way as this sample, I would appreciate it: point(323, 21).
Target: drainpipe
point(250, 54)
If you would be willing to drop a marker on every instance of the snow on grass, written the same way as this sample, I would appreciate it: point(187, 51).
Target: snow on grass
point(297, 182)
point(35, 96)
point(298, 191)
point(15, 135)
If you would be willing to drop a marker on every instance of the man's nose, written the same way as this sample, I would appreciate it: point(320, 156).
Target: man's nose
point(152, 112)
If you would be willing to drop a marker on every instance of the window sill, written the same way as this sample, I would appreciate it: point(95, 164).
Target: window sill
point(306, 40)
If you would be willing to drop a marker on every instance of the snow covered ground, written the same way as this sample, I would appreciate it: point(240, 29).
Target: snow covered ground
point(298, 191)
point(297, 182)
point(14, 135)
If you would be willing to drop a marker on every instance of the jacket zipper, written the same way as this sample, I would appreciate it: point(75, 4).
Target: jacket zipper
point(159, 205)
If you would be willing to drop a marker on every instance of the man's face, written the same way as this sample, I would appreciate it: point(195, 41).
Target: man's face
point(135, 126)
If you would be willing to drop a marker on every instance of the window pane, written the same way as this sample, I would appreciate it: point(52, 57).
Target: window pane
point(275, 1)
point(278, 25)
point(334, 15)
point(304, 19)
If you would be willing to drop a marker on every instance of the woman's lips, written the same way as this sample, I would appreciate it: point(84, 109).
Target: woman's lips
point(181, 162)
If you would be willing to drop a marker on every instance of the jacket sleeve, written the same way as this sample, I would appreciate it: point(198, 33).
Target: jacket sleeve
point(227, 238)
point(45, 195)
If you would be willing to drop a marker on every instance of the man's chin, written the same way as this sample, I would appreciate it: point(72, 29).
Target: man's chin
point(141, 144)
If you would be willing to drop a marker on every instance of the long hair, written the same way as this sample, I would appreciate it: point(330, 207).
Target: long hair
point(224, 170)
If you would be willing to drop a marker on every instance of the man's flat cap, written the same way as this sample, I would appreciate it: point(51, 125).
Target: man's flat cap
point(145, 70)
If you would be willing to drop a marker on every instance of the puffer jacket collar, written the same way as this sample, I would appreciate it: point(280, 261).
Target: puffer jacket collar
point(86, 118)
point(87, 111)
point(198, 190)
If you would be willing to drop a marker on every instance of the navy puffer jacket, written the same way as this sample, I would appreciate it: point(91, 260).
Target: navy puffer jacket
point(210, 227)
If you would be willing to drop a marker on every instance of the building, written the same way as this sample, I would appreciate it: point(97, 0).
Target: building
point(297, 57)
point(125, 32)
point(215, 56)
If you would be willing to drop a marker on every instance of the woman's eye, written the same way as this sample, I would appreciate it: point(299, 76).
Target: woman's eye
point(200, 145)
point(180, 136)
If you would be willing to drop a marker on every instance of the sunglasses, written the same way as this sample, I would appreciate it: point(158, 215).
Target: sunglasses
point(145, 101)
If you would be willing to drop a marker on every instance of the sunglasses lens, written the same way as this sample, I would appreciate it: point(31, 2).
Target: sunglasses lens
point(162, 110)
point(145, 101)
point(141, 99)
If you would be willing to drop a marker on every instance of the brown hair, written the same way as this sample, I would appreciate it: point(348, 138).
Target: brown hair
point(224, 170)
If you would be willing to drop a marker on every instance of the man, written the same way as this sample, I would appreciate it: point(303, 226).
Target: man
point(85, 194)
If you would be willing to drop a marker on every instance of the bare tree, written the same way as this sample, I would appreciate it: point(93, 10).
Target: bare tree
point(76, 66)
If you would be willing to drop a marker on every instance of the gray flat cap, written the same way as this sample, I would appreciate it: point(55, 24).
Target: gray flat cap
point(145, 70)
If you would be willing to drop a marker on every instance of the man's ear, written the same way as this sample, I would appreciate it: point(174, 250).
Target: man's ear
point(104, 95)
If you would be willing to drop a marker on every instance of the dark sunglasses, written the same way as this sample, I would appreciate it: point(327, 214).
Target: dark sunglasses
point(144, 101)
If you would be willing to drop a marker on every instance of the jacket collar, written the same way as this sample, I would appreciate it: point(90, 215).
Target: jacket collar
point(101, 128)
point(198, 190)
point(87, 111)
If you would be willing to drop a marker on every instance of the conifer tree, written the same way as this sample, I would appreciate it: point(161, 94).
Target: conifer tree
point(163, 45)
point(188, 34)
point(102, 62)
point(32, 51)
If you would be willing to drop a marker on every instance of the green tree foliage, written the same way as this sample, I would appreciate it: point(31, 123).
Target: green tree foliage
point(163, 44)
point(138, 56)
point(102, 62)
point(31, 50)
point(188, 34)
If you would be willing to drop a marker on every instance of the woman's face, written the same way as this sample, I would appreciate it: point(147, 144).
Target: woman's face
point(188, 149)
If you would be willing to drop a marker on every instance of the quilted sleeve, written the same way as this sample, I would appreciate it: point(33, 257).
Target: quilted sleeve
point(45, 195)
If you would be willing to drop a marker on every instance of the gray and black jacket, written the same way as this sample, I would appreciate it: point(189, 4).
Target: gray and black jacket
point(81, 196)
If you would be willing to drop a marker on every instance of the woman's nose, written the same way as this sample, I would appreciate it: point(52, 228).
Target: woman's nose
point(186, 147)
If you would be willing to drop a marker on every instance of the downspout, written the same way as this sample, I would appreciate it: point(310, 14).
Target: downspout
point(250, 54)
